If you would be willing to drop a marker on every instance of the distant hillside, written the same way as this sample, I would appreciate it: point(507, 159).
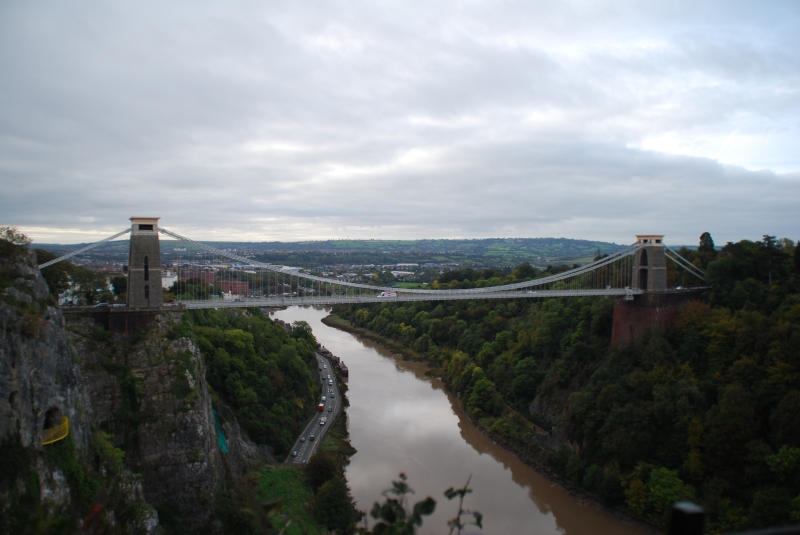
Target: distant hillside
point(547, 247)
point(491, 251)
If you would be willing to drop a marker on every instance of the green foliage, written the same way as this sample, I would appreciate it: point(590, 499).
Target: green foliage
point(111, 456)
point(90, 285)
point(469, 278)
point(319, 470)
point(457, 523)
point(711, 408)
point(57, 276)
point(120, 284)
point(392, 517)
point(62, 454)
point(14, 460)
point(334, 506)
point(785, 462)
point(285, 484)
point(706, 243)
point(665, 487)
point(14, 236)
point(259, 370)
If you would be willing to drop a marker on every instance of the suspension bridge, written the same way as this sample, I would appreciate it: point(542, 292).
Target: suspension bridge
point(208, 277)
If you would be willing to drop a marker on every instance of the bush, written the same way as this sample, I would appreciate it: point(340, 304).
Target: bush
point(334, 507)
point(319, 470)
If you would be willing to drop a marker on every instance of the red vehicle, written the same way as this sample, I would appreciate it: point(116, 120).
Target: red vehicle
point(321, 407)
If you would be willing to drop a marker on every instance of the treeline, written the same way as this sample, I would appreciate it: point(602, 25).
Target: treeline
point(87, 286)
point(709, 411)
point(482, 278)
point(258, 369)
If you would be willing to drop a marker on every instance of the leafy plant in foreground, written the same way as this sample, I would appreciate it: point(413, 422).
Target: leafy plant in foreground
point(393, 519)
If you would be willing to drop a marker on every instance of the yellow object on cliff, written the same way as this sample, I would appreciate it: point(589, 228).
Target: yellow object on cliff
point(54, 434)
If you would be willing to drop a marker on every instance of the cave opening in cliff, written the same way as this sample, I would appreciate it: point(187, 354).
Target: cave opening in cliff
point(52, 418)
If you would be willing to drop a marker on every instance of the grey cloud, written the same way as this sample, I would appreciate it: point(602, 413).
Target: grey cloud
point(293, 121)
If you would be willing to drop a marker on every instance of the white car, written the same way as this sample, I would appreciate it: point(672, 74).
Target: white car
point(323, 398)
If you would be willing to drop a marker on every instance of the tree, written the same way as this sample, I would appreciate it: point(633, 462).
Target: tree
point(527, 379)
point(302, 330)
point(12, 235)
point(525, 271)
point(319, 470)
point(706, 243)
point(120, 283)
point(797, 257)
point(334, 506)
point(90, 284)
point(772, 255)
point(785, 420)
point(665, 487)
point(57, 275)
point(729, 426)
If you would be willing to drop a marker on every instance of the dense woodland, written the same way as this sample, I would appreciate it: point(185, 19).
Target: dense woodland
point(259, 369)
point(709, 411)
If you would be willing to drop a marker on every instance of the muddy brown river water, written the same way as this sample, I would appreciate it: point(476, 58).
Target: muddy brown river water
point(402, 421)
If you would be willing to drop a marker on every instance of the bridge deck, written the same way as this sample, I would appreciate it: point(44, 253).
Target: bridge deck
point(445, 296)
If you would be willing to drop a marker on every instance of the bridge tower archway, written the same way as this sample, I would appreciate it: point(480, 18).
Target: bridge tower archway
point(144, 264)
point(650, 265)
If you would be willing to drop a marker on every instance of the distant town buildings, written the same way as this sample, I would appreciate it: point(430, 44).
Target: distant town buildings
point(204, 276)
point(235, 287)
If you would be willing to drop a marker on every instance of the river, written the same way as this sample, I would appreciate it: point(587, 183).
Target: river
point(402, 421)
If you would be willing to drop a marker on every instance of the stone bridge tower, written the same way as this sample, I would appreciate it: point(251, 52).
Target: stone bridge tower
point(658, 307)
point(144, 264)
point(650, 265)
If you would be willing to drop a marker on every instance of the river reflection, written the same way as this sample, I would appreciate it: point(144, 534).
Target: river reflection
point(402, 421)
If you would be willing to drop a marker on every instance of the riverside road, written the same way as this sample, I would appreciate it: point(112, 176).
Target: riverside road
point(333, 405)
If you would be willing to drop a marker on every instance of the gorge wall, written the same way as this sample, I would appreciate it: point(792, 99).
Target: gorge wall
point(142, 435)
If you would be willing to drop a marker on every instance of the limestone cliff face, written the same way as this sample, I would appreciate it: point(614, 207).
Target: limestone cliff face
point(147, 392)
point(40, 382)
point(40, 378)
point(152, 396)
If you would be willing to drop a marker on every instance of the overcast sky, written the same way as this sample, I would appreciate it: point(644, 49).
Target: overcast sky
point(273, 120)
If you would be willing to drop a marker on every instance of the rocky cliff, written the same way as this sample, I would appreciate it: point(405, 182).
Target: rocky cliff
point(142, 434)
